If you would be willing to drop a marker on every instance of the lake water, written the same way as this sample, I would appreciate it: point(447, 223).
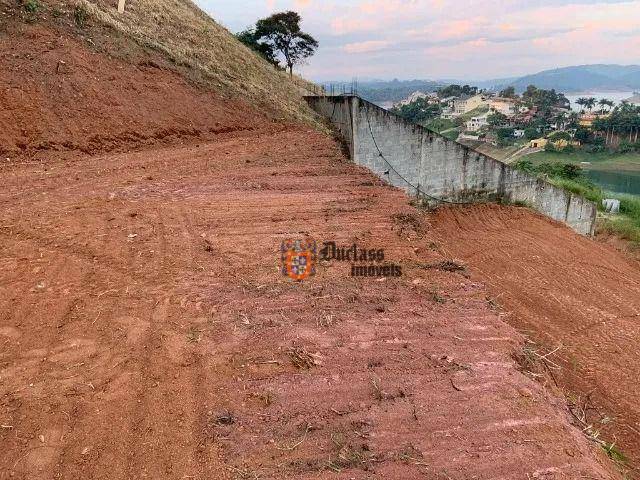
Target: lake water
point(617, 97)
point(618, 182)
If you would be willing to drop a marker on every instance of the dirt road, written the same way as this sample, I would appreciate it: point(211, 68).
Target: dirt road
point(567, 293)
point(146, 332)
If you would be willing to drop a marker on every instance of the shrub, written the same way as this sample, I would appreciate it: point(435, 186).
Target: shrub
point(560, 136)
point(626, 147)
point(525, 166)
point(80, 15)
point(31, 6)
point(531, 133)
point(594, 148)
point(584, 135)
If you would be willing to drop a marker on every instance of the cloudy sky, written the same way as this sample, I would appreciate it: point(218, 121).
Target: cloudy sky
point(473, 39)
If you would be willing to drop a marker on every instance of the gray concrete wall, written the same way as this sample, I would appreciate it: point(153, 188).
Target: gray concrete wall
point(435, 169)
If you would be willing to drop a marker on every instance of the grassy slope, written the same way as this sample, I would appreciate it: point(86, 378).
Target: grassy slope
point(192, 39)
point(474, 113)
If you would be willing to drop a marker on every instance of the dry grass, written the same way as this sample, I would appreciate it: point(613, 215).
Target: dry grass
point(190, 38)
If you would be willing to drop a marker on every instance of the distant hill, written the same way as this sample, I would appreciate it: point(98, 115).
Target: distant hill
point(582, 78)
point(394, 90)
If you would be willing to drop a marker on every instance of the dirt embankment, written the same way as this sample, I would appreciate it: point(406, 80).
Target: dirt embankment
point(62, 95)
point(568, 293)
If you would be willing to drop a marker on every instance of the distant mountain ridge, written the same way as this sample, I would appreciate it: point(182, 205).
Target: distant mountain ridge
point(581, 78)
point(578, 78)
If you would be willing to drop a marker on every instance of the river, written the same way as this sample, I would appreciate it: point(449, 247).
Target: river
point(616, 181)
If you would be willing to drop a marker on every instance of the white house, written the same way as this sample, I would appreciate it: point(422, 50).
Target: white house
point(476, 123)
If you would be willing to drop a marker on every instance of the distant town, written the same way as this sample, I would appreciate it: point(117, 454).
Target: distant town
point(515, 125)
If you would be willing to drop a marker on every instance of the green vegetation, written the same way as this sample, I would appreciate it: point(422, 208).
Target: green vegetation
point(571, 177)
point(440, 125)
point(280, 34)
point(545, 100)
point(451, 134)
point(456, 91)
point(80, 15)
point(31, 6)
point(597, 160)
point(418, 111)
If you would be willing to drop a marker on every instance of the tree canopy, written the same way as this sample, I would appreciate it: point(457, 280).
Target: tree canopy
point(248, 37)
point(457, 90)
point(418, 111)
point(545, 100)
point(281, 34)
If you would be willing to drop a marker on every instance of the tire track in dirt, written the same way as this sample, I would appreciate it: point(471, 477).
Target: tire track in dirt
point(564, 291)
point(407, 377)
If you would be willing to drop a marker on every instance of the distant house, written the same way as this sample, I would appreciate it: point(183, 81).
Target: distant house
point(587, 119)
point(466, 103)
point(506, 106)
point(518, 133)
point(412, 98)
point(633, 100)
point(476, 123)
point(448, 112)
point(538, 143)
point(560, 143)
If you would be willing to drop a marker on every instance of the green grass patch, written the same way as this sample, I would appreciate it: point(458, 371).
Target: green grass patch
point(474, 113)
point(451, 134)
point(439, 124)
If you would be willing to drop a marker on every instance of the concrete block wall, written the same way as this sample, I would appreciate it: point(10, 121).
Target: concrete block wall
point(427, 165)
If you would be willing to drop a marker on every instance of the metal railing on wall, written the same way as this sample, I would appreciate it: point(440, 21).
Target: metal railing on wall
point(341, 88)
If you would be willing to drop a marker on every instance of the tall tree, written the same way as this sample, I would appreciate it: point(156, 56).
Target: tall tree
point(603, 102)
point(509, 92)
point(582, 101)
point(590, 103)
point(248, 37)
point(281, 31)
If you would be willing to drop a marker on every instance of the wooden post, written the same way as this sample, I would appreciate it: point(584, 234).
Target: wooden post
point(121, 6)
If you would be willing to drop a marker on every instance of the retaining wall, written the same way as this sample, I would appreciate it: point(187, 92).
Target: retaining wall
point(436, 169)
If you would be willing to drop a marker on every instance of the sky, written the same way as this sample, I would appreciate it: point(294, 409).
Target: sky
point(446, 39)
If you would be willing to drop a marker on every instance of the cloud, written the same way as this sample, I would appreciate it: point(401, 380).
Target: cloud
point(364, 47)
point(448, 38)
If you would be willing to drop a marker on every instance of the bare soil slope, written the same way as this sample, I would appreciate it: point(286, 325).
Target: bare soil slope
point(146, 332)
point(567, 292)
point(60, 96)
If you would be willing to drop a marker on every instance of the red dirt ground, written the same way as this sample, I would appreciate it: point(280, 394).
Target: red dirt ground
point(146, 332)
point(566, 291)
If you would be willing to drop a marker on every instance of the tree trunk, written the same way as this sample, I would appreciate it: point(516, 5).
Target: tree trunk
point(291, 69)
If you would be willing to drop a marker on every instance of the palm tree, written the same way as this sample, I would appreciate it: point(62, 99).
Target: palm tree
point(590, 103)
point(573, 120)
point(582, 101)
point(603, 102)
point(560, 120)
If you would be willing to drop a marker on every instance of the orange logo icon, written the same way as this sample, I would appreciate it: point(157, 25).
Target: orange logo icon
point(298, 258)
